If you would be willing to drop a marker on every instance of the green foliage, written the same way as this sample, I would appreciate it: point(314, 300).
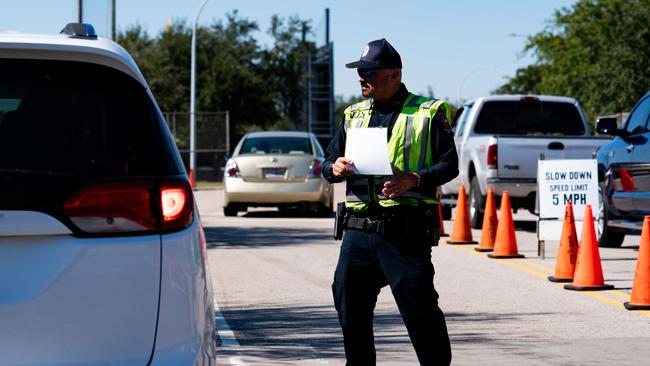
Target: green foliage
point(261, 87)
point(596, 51)
point(163, 63)
point(231, 76)
point(526, 81)
point(286, 66)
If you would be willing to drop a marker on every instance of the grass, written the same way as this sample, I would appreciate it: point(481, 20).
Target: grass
point(206, 184)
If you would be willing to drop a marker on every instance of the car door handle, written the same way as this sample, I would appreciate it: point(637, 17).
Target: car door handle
point(556, 146)
point(629, 148)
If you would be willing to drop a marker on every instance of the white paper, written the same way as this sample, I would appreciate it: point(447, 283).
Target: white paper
point(368, 150)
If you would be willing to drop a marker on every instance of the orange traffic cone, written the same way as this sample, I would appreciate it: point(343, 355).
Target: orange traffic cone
point(489, 228)
point(589, 273)
point(567, 252)
point(442, 226)
point(461, 232)
point(626, 180)
point(505, 243)
point(640, 299)
point(192, 182)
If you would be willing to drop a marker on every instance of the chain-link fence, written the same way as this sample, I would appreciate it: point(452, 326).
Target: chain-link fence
point(212, 141)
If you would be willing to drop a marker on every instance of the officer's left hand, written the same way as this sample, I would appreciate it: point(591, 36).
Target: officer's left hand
point(400, 183)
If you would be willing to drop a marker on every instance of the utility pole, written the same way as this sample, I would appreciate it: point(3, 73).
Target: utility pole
point(113, 20)
point(193, 92)
point(80, 4)
point(330, 47)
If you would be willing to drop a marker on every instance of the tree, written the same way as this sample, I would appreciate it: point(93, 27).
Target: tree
point(525, 81)
point(595, 51)
point(231, 76)
point(262, 88)
point(286, 67)
point(163, 61)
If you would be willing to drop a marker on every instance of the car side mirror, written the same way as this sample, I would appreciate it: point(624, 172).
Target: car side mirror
point(608, 126)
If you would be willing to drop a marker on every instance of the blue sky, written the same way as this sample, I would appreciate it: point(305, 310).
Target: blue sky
point(460, 48)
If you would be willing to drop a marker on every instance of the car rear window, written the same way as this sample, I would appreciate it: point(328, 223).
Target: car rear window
point(67, 124)
point(529, 118)
point(276, 145)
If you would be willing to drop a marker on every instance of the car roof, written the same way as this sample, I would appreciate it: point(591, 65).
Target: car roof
point(69, 48)
point(515, 97)
point(278, 134)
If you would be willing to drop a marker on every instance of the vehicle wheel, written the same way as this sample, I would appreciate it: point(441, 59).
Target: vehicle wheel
point(230, 210)
point(476, 204)
point(608, 237)
point(446, 212)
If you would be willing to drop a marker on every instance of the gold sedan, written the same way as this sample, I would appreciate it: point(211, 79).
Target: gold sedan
point(276, 169)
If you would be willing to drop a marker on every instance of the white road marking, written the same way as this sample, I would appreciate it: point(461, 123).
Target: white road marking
point(226, 335)
point(316, 355)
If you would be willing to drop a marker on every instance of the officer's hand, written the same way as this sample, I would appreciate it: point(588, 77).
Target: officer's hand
point(342, 167)
point(400, 183)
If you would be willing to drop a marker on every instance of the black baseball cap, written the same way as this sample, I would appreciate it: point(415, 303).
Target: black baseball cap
point(377, 54)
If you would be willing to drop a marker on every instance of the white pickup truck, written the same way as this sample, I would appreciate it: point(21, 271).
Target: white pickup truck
point(499, 140)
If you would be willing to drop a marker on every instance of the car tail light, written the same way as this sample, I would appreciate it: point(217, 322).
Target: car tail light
point(177, 204)
point(231, 168)
point(492, 157)
point(315, 168)
point(132, 206)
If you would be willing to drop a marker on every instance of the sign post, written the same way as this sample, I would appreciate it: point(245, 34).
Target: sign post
point(558, 183)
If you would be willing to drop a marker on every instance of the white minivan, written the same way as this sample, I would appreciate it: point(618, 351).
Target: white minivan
point(102, 255)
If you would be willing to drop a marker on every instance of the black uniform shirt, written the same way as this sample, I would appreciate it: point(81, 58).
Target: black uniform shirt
point(385, 114)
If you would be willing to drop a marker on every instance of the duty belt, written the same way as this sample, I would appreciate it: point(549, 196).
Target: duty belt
point(365, 224)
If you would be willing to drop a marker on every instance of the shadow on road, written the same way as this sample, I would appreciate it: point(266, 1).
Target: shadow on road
point(256, 237)
point(286, 214)
point(526, 225)
point(263, 330)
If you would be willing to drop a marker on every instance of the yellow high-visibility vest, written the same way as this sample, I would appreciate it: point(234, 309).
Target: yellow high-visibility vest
point(408, 151)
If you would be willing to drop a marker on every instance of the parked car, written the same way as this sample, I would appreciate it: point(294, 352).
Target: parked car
point(499, 140)
point(624, 174)
point(102, 255)
point(279, 169)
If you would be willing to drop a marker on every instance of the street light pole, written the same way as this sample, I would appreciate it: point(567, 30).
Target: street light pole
point(113, 20)
point(193, 92)
point(460, 88)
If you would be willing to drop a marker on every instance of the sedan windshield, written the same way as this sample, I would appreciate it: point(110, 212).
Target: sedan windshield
point(276, 145)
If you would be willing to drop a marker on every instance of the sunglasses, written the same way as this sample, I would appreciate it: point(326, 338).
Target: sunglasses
point(366, 73)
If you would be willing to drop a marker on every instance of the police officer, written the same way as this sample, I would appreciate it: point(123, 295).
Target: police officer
point(392, 222)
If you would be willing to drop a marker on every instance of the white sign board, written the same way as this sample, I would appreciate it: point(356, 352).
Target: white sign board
point(368, 150)
point(563, 181)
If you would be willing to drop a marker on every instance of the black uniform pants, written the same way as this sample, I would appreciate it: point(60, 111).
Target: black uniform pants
point(367, 263)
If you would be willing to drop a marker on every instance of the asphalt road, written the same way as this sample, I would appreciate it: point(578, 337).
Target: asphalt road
point(272, 275)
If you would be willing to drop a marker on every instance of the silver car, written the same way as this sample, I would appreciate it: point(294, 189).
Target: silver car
point(276, 168)
point(102, 254)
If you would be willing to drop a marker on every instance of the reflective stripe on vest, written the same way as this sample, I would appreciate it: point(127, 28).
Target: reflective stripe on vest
point(408, 150)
